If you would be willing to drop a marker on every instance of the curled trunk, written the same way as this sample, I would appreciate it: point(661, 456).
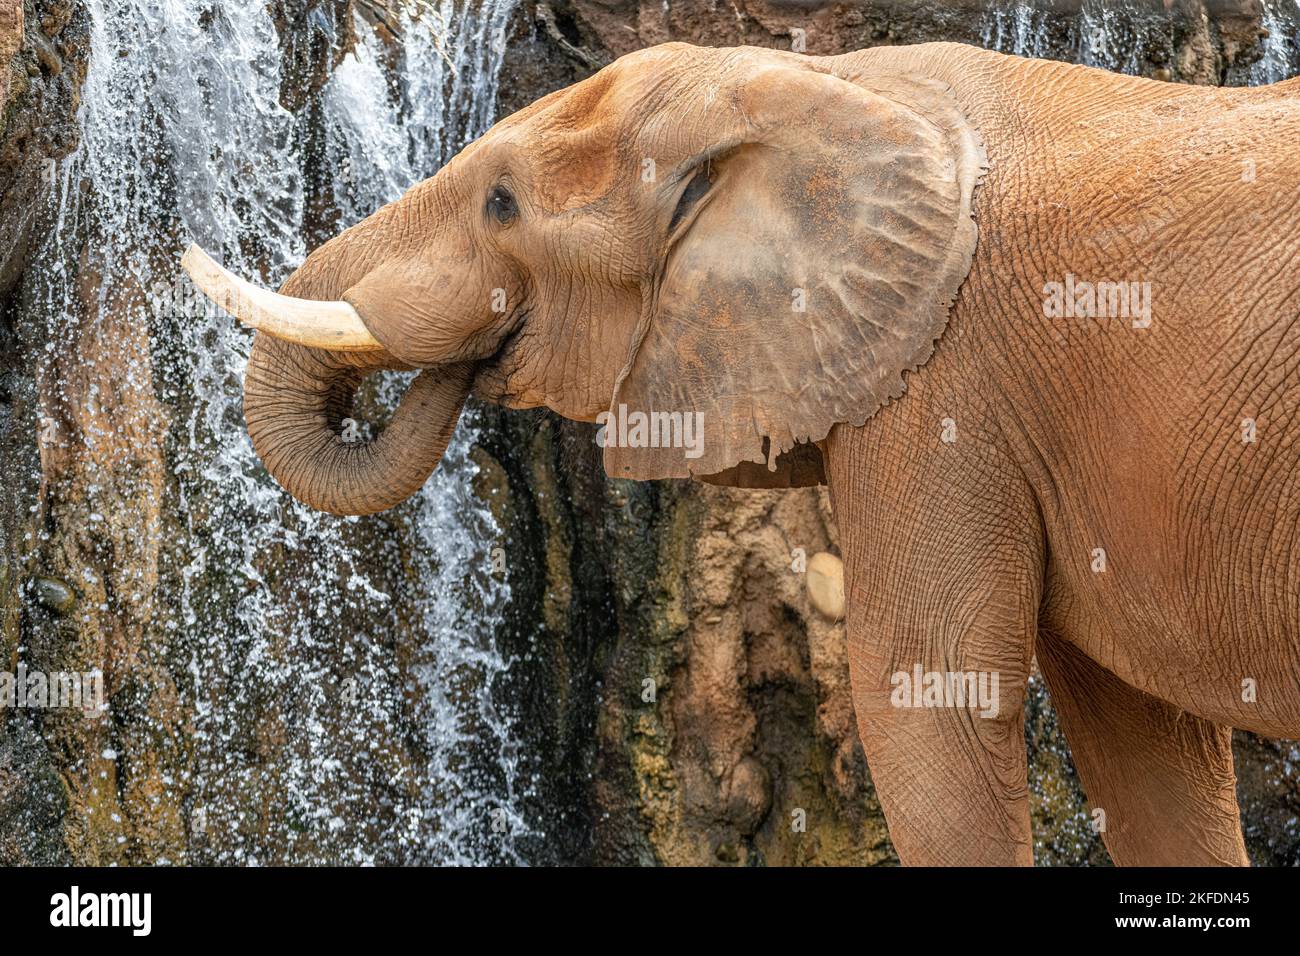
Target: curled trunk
point(295, 400)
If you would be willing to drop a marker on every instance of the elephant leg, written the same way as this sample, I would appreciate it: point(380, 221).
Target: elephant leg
point(943, 578)
point(1162, 778)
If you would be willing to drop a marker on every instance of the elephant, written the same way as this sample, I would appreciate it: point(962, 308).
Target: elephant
point(1036, 325)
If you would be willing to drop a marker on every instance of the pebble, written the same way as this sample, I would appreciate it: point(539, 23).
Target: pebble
point(825, 583)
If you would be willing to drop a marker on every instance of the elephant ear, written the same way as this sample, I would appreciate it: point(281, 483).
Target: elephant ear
point(819, 266)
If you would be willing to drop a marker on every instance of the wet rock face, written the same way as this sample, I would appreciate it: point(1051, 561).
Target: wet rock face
point(44, 45)
point(1194, 41)
point(315, 35)
point(11, 38)
point(758, 725)
point(118, 553)
point(724, 728)
point(43, 53)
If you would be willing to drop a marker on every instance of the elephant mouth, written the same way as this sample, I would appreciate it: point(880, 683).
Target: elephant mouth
point(494, 374)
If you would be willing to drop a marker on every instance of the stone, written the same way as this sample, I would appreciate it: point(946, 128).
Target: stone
point(54, 594)
point(825, 583)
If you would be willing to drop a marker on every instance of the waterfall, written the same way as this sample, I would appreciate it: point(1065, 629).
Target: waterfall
point(1281, 59)
point(342, 670)
point(1118, 35)
point(1109, 34)
point(1017, 28)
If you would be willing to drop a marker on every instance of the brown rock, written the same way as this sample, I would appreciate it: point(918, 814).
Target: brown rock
point(11, 38)
point(825, 580)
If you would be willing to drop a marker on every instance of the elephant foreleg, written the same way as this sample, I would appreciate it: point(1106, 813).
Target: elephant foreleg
point(1162, 779)
point(953, 784)
point(943, 566)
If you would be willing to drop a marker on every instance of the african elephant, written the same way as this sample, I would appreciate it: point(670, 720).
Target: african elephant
point(1036, 325)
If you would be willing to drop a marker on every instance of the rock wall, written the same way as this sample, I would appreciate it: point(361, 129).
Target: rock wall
point(43, 54)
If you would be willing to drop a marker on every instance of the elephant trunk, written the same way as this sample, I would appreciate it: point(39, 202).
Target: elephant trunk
point(295, 400)
point(310, 354)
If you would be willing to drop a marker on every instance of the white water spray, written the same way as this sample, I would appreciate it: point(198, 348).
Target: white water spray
point(1116, 35)
point(1281, 58)
point(343, 669)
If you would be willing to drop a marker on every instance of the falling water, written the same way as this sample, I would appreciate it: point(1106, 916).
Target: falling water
point(1281, 58)
point(1108, 35)
point(1120, 35)
point(340, 675)
point(1103, 33)
point(1018, 28)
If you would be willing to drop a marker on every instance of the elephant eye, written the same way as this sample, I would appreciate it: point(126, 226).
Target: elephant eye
point(697, 187)
point(501, 205)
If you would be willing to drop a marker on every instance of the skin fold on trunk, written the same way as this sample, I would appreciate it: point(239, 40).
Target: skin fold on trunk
point(295, 399)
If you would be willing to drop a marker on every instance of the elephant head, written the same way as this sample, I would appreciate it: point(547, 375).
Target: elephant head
point(745, 237)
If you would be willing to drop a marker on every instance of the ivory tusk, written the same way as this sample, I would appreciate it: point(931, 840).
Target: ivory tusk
point(321, 325)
